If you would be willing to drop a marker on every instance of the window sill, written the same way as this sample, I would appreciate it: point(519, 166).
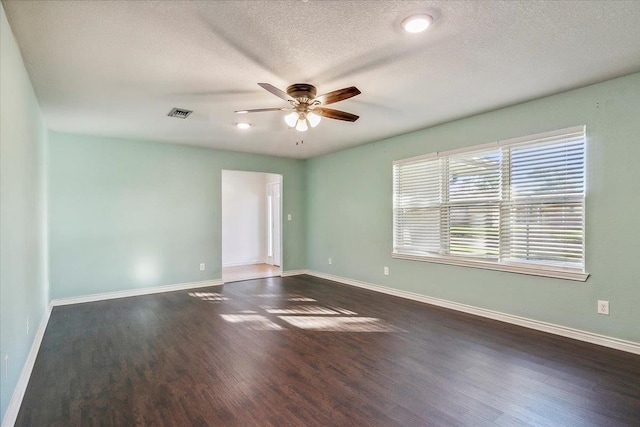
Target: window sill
point(512, 268)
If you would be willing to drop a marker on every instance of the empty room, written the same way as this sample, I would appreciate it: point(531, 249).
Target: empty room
point(319, 213)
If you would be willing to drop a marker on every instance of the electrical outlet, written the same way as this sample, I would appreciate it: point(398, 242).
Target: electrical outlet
point(202, 266)
point(329, 260)
point(27, 325)
point(603, 307)
point(289, 217)
point(386, 271)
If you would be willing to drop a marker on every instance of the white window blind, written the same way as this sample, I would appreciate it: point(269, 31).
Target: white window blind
point(514, 205)
point(418, 191)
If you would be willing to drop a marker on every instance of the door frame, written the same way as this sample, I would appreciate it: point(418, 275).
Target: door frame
point(270, 223)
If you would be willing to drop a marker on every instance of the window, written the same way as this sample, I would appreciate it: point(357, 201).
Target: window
point(515, 205)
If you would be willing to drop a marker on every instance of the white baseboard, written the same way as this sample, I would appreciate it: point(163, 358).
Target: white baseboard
point(135, 292)
point(616, 343)
point(293, 273)
point(21, 387)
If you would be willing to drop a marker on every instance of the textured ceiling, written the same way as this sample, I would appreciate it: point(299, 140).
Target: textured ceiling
point(116, 68)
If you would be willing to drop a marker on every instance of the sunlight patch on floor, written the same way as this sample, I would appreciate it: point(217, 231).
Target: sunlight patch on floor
point(208, 296)
point(343, 310)
point(301, 299)
point(276, 295)
point(252, 321)
point(301, 309)
point(311, 317)
point(340, 324)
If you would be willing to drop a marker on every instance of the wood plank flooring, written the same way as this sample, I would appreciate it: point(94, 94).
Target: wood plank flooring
point(306, 351)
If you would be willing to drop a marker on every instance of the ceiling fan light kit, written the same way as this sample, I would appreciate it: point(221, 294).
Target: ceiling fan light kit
point(313, 119)
point(291, 119)
point(306, 108)
point(302, 126)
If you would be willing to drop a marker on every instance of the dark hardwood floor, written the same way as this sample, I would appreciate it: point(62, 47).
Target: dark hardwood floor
point(306, 351)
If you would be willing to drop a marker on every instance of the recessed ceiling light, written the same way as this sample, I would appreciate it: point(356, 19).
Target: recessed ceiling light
point(417, 23)
point(243, 125)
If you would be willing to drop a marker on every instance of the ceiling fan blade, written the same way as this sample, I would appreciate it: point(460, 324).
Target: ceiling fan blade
point(261, 110)
point(274, 90)
point(338, 95)
point(330, 113)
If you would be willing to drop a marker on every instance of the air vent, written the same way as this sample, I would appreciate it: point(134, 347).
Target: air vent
point(179, 113)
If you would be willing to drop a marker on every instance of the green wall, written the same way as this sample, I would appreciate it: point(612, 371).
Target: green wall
point(127, 214)
point(23, 270)
point(349, 205)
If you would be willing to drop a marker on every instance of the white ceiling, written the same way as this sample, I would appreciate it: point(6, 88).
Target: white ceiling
point(116, 68)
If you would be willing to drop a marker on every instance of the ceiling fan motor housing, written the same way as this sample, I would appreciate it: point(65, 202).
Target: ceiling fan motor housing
point(301, 90)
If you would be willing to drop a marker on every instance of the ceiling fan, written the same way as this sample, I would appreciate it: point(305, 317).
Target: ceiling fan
point(307, 108)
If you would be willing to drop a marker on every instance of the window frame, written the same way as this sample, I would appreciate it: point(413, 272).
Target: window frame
point(522, 267)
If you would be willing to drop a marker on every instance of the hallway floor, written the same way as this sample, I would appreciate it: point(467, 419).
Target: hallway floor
point(247, 272)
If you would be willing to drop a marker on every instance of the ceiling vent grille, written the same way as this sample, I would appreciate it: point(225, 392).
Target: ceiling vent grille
point(179, 113)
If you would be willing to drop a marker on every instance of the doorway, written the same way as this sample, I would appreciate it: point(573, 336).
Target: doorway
point(251, 225)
